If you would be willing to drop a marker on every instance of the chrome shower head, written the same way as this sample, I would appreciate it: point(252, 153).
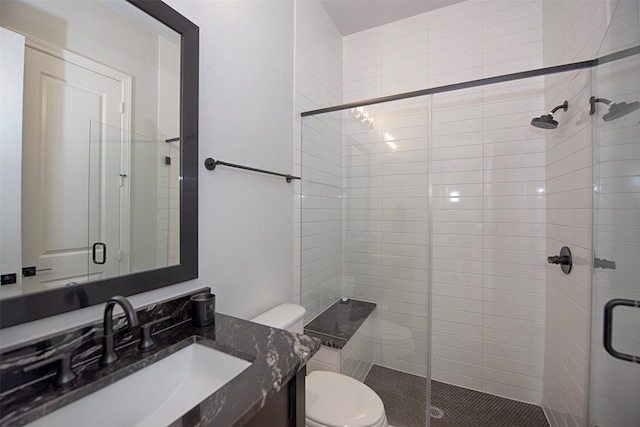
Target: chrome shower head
point(546, 121)
point(616, 110)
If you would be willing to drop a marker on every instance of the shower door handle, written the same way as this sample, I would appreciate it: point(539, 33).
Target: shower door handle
point(95, 251)
point(608, 328)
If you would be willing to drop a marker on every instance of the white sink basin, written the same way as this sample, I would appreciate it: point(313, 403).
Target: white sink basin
point(154, 396)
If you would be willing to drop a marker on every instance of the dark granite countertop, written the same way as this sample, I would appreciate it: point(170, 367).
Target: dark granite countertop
point(337, 324)
point(276, 357)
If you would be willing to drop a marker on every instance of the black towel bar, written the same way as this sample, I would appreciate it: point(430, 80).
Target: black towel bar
point(211, 164)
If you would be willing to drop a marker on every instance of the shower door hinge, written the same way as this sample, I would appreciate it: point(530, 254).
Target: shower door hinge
point(122, 177)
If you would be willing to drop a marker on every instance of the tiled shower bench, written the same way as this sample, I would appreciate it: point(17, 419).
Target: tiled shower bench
point(346, 330)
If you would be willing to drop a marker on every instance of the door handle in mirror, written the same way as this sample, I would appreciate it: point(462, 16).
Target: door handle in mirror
point(104, 252)
point(608, 328)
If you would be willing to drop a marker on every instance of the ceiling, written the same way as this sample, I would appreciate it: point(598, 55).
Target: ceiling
point(352, 16)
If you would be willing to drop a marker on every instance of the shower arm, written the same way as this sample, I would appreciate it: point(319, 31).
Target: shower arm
point(593, 101)
point(564, 106)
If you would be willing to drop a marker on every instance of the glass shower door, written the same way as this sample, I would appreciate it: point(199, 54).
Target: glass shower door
point(107, 175)
point(615, 341)
point(133, 202)
point(365, 236)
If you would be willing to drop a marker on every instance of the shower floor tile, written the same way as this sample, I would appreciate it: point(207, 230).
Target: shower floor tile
point(404, 397)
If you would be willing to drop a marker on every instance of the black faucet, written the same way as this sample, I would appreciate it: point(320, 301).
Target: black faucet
point(109, 355)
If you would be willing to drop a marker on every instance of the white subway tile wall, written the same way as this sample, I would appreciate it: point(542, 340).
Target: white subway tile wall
point(386, 227)
point(568, 178)
point(513, 204)
point(488, 195)
point(574, 30)
point(317, 257)
point(488, 232)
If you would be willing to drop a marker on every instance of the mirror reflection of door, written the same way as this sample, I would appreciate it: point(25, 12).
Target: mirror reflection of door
point(61, 98)
point(108, 207)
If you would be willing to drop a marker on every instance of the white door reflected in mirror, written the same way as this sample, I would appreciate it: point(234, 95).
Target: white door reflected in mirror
point(61, 99)
point(112, 64)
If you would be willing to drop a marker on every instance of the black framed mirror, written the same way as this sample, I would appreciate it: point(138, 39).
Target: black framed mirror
point(27, 307)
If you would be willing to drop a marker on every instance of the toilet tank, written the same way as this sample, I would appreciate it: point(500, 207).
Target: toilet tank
point(284, 316)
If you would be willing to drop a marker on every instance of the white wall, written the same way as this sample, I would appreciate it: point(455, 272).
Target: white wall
point(246, 110)
point(69, 25)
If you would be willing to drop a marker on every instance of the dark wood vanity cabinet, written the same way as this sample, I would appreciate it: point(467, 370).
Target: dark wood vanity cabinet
point(286, 408)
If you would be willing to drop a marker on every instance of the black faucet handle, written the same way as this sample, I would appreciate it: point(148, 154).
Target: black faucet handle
point(146, 342)
point(64, 375)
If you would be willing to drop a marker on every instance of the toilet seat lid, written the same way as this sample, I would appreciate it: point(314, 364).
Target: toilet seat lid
point(337, 400)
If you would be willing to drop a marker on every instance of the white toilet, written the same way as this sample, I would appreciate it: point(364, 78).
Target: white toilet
point(332, 399)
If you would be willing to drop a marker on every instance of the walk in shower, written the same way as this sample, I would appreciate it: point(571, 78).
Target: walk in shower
point(442, 206)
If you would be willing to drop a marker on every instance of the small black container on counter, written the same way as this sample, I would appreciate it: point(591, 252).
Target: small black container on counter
point(203, 308)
